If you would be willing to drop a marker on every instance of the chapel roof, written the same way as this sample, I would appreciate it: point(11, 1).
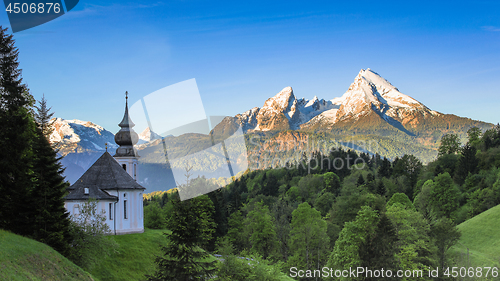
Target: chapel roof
point(105, 174)
point(94, 192)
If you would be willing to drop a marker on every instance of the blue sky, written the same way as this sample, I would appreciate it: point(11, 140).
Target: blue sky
point(446, 55)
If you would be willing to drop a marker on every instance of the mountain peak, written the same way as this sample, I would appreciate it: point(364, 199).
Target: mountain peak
point(76, 135)
point(285, 95)
point(281, 101)
point(369, 94)
point(148, 135)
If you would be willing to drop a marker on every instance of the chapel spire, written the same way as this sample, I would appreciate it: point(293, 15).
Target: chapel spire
point(126, 121)
point(126, 137)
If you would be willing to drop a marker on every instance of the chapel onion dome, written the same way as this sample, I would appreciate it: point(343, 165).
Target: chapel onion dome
point(126, 137)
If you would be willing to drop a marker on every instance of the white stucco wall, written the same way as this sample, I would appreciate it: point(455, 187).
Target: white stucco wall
point(133, 223)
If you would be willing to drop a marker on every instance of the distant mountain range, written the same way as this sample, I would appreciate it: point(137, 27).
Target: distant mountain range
point(370, 104)
point(371, 116)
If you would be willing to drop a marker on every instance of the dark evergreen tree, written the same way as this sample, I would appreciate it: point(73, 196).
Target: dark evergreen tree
point(16, 136)
point(468, 163)
point(496, 136)
point(378, 160)
point(409, 166)
point(385, 170)
point(43, 117)
point(370, 183)
point(361, 180)
point(51, 225)
point(381, 188)
point(220, 216)
point(379, 252)
point(192, 226)
point(270, 185)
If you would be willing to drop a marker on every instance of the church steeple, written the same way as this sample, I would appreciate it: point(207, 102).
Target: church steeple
point(126, 121)
point(126, 137)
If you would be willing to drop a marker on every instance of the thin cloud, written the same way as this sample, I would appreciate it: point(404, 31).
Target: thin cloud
point(491, 28)
point(90, 9)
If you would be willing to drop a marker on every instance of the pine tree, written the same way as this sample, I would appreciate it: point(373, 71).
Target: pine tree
point(381, 188)
point(361, 180)
point(192, 227)
point(385, 170)
point(16, 137)
point(43, 117)
point(51, 225)
point(468, 163)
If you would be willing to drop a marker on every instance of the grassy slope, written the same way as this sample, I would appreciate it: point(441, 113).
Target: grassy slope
point(135, 256)
point(25, 259)
point(481, 234)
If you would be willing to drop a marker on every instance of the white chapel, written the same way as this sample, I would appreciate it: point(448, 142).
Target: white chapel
point(112, 180)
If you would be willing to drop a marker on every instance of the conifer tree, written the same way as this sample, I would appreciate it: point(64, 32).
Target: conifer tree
point(468, 163)
point(16, 137)
point(51, 225)
point(43, 117)
point(192, 227)
point(361, 180)
point(385, 170)
point(381, 188)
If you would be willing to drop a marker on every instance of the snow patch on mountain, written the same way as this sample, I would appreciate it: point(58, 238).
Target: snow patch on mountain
point(147, 135)
point(296, 111)
point(76, 135)
point(369, 92)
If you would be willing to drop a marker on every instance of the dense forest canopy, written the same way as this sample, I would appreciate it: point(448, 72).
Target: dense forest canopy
point(347, 209)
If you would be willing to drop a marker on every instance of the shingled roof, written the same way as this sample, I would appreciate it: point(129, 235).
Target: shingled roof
point(94, 193)
point(104, 174)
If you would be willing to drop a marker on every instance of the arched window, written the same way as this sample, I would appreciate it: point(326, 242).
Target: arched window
point(124, 166)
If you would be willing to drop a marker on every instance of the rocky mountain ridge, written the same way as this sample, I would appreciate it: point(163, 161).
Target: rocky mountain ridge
point(368, 94)
point(371, 116)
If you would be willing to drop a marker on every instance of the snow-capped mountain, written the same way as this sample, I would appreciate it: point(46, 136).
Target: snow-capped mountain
point(78, 136)
point(283, 111)
point(372, 111)
point(147, 135)
point(368, 94)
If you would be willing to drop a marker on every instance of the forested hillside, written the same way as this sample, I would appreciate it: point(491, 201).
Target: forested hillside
point(347, 209)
